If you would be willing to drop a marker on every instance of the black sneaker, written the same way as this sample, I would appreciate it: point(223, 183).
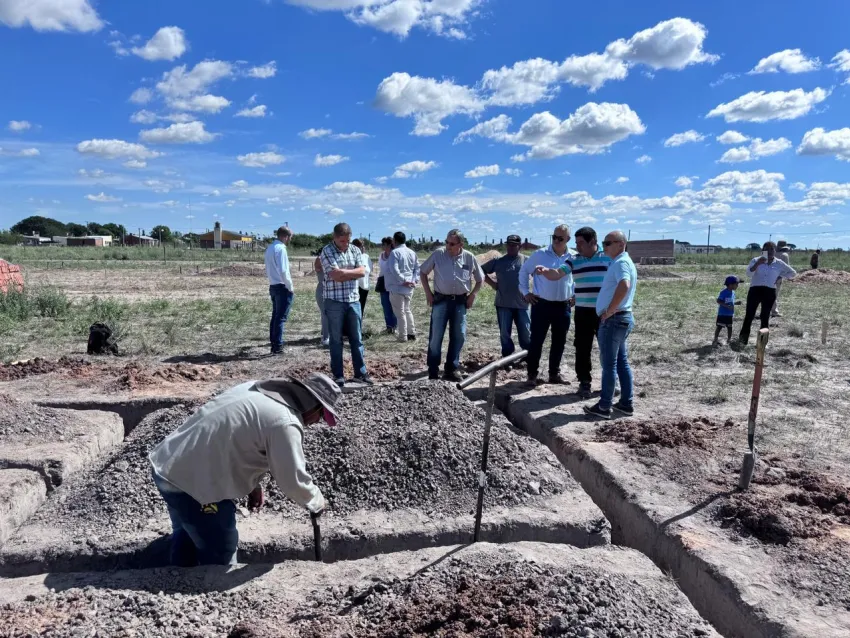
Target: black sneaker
point(340, 381)
point(453, 376)
point(622, 409)
point(390, 331)
point(557, 379)
point(534, 380)
point(595, 410)
point(433, 377)
point(584, 391)
point(411, 337)
point(365, 380)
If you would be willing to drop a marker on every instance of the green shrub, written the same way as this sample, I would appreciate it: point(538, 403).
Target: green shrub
point(49, 302)
point(16, 306)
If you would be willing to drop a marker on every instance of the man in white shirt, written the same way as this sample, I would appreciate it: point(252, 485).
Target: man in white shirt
point(281, 289)
point(363, 282)
point(222, 451)
point(400, 280)
point(764, 272)
point(551, 304)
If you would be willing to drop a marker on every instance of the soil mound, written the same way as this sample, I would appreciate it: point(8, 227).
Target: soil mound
point(379, 369)
point(235, 270)
point(19, 419)
point(134, 376)
point(32, 367)
point(680, 432)
point(508, 597)
point(418, 446)
point(823, 276)
point(787, 504)
point(490, 255)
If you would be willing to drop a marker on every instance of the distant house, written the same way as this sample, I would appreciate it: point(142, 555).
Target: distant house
point(527, 245)
point(651, 249)
point(140, 240)
point(36, 240)
point(224, 239)
point(686, 248)
point(89, 240)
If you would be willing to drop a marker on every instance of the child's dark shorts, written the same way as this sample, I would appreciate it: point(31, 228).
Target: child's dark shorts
point(725, 321)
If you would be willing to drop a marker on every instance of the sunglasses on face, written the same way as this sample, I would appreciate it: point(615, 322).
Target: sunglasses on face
point(560, 238)
point(609, 242)
point(452, 243)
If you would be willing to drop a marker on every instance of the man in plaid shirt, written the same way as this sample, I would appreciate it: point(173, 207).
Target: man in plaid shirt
point(342, 266)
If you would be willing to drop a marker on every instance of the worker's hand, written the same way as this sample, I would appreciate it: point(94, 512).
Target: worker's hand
point(572, 302)
point(492, 284)
point(470, 300)
point(531, 298)
point(762, 260)
point(410, 284)
point(540, 270)
point(429, 297)
point(256, 499)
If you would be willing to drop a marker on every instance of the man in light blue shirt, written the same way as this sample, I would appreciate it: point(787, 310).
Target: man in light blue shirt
point(400, 280)
point(614, 307)
point(551, 305)
point(281, 289)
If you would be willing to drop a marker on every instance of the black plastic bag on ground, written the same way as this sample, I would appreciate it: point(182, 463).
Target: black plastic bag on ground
point(101, 340)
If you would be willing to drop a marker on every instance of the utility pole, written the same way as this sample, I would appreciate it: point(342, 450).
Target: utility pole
point(630, 235)
point(708, 243)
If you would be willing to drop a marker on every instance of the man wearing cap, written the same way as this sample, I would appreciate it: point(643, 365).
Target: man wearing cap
point(511, 306)
point(726, 303)
point(222, 451)
point(783, 254)
point(551, 305)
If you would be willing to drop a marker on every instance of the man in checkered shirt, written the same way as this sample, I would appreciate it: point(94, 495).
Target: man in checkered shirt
point(342, 266)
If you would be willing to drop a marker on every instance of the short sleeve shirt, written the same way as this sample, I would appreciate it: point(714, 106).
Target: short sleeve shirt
point(507, 269)
point(726, 296)
point(621, 269)
point(334, 259)
point(453, 275)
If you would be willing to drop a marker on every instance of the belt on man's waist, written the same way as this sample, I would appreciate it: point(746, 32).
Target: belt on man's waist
point(560, 303)
point(440, 296)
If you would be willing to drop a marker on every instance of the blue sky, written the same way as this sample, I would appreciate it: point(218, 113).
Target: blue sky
point(494, 116)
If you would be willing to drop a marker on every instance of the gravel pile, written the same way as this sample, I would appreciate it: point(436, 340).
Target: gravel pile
point(494, 593)
point(483, 597)
point(20, 420)
point(118, 496)
point(418, 446)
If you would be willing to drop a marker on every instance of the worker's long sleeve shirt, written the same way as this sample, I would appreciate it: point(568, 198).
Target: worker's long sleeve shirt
point(277, 265)
point(560, 290)
point(223, 450)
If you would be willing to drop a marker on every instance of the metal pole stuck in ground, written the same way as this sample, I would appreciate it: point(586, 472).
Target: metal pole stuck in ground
point(317, 536)
point(823, 333)
point(750, 455)
point(485, 453)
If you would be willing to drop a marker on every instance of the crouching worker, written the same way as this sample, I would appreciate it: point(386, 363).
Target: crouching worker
point(221, 453)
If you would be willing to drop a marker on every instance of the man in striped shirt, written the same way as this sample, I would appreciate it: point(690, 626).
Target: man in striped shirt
point(588, 270)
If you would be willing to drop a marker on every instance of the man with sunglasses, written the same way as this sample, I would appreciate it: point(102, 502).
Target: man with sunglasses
point(222, 451)
point(551, 305)
point(457, 280)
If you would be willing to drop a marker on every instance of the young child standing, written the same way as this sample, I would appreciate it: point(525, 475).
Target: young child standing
point(726, 303)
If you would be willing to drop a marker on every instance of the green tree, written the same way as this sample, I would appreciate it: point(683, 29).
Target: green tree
point(161, 232)
point(8, 238)
point(44, 226)
point(76, 230)
point(97, 229)
point(116, 230)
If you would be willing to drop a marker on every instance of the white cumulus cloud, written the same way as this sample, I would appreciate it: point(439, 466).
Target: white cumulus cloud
point(788, 61)
point(732, 137)
point(760, 106)
point(200, 103)
point(264, 214)
point(102, 198)
point(622, 180)
point(513, 172)
point(116, 149)
point(415, 167)
point(144, 117)
point(256, 111)
point(180, 133)
point(643, 159)
point(169, 43)
point(684, 182)
point(672, 44)
point(819, 141)
point(141, 96)
point(181, 82)
point(19, 126)
point(482, 171)
point(261, 160)
point(757, 148)
point(264, 72)
point(133, 163)
point(688, 137)
point(329, 160)
point(51, 15)
point(312, 133)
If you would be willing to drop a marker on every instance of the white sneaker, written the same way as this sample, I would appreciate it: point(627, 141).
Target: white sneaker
point(326, 343)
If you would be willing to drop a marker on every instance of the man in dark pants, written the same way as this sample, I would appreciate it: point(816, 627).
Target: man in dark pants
point(511, 307)
point(588, 270)
point(281, 288)
point(551, 304)
point(763, 271)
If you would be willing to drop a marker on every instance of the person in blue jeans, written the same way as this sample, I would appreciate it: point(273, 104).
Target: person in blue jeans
point(457, 280)
point(281, 288)
point(614, 307)
point(511, 306)
point(381, 286)
point(342, 266)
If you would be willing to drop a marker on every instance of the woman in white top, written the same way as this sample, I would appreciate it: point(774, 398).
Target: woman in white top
point(363, 282)
point(383, 259)
point(763, 271)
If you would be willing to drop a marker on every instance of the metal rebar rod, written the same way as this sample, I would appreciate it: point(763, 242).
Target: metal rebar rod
point(317, 536)
point(485, 453)
point(490, 367)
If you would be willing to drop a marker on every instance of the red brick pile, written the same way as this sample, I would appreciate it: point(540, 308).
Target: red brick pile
point(10, 277)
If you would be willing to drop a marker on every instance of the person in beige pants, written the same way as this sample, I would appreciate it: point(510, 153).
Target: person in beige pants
point(400, 280)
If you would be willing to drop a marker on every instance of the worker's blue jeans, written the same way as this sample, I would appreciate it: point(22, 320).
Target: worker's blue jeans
point(389, 316)
point(201, 534)
point(281, 305)
point(507, 317)
point(345, 314)
point(447, 311)
point(614, 357)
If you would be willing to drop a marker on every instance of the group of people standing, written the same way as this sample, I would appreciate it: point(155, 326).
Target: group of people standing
point(536, 295)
